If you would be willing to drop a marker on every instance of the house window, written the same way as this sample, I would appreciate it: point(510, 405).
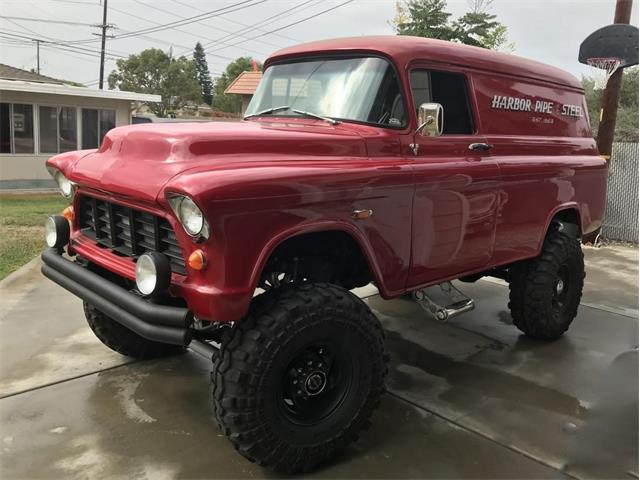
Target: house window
point(16, 128)
point(95, 124)
point(58, 129)
point(448, 89)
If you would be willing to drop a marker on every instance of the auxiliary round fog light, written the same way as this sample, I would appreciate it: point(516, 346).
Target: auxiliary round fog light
point(153, 273)
point(56, 231)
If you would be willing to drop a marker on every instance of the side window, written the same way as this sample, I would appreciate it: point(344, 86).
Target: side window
point(95, 125)
point(448, 89)
point(16, 128)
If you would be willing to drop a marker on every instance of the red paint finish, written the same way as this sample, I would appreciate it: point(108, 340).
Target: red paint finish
point(441, 214)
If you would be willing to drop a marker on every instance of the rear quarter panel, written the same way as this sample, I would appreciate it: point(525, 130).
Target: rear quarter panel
point(547, 157)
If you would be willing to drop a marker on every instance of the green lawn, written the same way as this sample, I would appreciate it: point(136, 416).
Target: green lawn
point(21, 227)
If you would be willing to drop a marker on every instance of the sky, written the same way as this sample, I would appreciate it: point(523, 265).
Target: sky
point(545, 30)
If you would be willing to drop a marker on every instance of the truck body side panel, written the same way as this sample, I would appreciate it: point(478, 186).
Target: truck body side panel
point(542, 143)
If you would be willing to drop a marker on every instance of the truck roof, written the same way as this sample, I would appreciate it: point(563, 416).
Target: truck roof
point(404, 49)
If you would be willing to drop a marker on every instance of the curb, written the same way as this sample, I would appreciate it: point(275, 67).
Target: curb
point(22, 272)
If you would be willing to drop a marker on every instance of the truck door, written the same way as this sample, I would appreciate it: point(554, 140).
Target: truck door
point(456, 180)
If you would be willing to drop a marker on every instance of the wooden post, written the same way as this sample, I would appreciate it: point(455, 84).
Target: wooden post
point(606, 129)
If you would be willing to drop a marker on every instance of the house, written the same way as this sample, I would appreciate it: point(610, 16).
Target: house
point(41, 116)
point(245, 84)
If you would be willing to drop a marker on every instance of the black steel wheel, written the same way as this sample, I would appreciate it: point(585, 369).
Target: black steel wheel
point(299, 378)
point(545, 292)
point(315, 382)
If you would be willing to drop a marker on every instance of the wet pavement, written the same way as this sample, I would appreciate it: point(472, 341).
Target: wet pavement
point(468, 399)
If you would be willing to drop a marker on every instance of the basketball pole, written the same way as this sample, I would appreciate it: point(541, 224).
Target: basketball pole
point(609, 111)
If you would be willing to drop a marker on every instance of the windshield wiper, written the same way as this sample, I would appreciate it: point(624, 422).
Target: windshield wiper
point(315, 115)
point(268, 111)
point(299, 112)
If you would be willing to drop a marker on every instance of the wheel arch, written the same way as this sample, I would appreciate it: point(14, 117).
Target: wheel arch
point(566, 214)
point(341, 228)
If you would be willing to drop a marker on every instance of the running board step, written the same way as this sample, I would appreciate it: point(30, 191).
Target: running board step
point(443, 301)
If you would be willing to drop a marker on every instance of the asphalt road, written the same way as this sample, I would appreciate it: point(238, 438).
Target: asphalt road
point(468, 399)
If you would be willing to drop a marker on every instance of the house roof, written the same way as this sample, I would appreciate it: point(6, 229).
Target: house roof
point(7, 72)
point(245, 83)
point(57, 89)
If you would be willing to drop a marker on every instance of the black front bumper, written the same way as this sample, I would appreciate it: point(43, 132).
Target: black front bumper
point(160, 323)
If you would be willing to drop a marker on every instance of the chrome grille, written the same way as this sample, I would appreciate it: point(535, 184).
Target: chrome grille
point(129, 232)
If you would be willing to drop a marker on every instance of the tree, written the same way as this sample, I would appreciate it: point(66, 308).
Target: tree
point(153, 71)
point(627, 119)
point(428, 18)
point(204, 77)
point(423, 18)
point(223, 101)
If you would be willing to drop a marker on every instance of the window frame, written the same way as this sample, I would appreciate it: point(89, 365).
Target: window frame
point(469, 97)
point(35, 118)
point(344, 56)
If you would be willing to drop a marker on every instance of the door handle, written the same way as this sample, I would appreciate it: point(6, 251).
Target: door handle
point(482, 147)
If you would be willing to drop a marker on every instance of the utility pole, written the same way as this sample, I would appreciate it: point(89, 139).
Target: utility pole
point(611, 93)
point(104, 40)
point(104, 26)
point(37, 55)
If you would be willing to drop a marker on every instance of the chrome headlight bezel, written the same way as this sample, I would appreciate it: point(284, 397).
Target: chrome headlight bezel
point(67, 187)
point(191, 216)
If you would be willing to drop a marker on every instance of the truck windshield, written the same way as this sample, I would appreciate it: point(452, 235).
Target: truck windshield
point(349, 89)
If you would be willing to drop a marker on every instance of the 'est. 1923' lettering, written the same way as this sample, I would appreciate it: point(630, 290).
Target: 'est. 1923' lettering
point(517, 104)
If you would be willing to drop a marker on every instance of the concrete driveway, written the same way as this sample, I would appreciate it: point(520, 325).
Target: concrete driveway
point(468, 399)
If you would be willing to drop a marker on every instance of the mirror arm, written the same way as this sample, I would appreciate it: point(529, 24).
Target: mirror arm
point(415, 146)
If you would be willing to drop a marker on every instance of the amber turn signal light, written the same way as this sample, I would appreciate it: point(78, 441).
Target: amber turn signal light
point(68, 213)
point(197, 260)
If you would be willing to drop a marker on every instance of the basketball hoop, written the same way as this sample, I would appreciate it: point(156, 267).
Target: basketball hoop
point(606, 68)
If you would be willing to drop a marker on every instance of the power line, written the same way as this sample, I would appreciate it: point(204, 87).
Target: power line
point(187, 32)
point(45, 20)
point(179, 23)
point(237, 23)
point(266, 21)
point(294, 23)
point(154, 39)
point(75, 48)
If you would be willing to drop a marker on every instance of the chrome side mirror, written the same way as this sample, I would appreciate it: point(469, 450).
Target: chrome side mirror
point(431, 120)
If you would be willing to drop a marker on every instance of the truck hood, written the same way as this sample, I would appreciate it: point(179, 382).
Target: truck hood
point(138, 160)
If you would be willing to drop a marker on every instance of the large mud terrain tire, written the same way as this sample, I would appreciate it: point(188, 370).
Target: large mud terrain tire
point(545, 292)
point(122, 340)
point(298, 379)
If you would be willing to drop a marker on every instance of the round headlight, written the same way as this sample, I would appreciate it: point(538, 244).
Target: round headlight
point(65, 185)
point(56, 231)
point(153, 273)
point(191, 216)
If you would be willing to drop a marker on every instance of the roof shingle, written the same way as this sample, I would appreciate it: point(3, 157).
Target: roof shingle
point(245, 83)
point(7, 72)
